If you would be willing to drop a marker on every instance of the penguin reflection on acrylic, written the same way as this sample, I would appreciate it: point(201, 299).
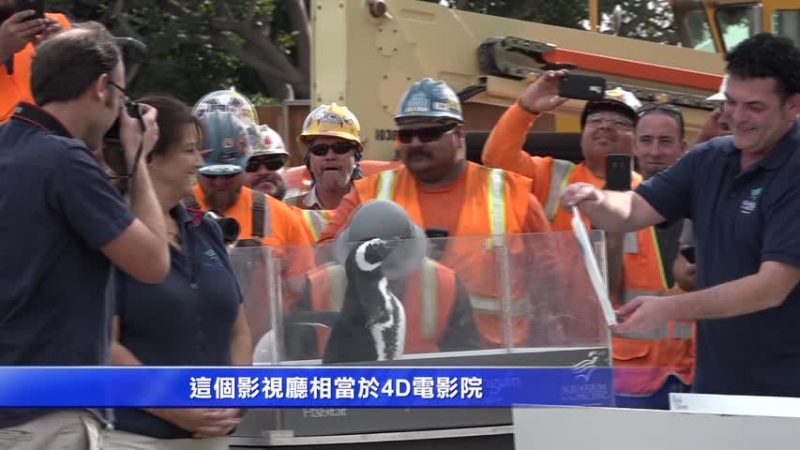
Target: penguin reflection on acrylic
point(372, 322)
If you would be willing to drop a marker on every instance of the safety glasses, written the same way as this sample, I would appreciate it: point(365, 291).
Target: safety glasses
point(340, 148)
point(671, 110)
point(272, 164)
point(429, 134)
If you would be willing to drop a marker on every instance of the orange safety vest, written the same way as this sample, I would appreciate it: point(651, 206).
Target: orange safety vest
point(428, 301)
point(496, 204)
point(315, 220)
point(16, 87)
point(653, 356)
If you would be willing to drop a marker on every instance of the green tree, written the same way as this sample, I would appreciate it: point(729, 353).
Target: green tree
point(651, 20)
point(261, 47)
point(565, 13)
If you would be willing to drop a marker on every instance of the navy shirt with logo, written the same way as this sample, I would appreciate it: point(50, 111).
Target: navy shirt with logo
point(186, 320)
point(58, 211)
point(741, 219)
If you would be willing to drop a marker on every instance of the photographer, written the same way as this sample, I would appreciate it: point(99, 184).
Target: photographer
point(64, 225)
point(19, 35)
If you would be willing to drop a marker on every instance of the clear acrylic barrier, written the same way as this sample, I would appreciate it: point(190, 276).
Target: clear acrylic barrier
point(522, 300)
point(257, 272)
point(457, 294)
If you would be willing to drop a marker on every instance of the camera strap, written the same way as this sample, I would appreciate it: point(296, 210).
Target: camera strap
point(34, 115)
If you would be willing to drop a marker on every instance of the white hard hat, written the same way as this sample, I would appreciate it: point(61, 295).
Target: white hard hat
point(269, 142)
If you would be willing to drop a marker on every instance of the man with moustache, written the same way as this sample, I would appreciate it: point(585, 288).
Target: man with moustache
point(441, 190)
point(634, 262)
point(19, 35)
point(742, 194)
point(264, 166)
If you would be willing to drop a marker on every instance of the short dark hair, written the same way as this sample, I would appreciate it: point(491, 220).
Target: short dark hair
point(67, 64)
point(173, 114)
point(767, 56)
point(668, 110)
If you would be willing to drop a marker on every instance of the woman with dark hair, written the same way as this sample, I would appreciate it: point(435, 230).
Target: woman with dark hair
point(195, 317)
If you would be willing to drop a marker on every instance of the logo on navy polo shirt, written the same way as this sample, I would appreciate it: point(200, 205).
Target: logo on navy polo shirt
point(749, 204)
point(211, 260)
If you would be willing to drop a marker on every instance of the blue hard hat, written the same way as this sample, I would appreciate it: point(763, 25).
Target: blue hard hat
point(429, 99)
point(225, 143)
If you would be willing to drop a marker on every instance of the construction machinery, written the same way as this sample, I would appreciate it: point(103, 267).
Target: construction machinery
point(367, 53)
point(718, 25)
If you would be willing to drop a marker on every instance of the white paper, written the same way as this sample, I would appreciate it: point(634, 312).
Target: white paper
point(592, 267)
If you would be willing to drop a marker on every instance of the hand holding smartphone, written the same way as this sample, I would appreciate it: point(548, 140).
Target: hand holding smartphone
point(583, 87)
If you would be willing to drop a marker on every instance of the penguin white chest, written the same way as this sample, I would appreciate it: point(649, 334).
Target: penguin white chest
point(389, 334)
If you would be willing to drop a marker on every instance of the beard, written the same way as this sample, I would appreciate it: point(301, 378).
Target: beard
point(220, 201)
point(277, 189)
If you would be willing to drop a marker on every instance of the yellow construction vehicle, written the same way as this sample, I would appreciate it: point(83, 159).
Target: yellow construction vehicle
point(718, 25)
point(367, 53)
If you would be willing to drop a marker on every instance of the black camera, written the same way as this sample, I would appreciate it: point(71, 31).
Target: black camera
point(229, 226)
point(114, 153)
point(134, 53)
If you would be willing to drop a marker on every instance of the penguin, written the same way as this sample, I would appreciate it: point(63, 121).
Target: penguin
point(372, 323)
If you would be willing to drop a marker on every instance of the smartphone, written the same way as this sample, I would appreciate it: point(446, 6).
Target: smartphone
point(582, 87)
point(688, 253)
point(618, 172)
point(36, 5)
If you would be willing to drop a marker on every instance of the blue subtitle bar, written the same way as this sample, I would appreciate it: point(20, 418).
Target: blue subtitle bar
point(301, 387)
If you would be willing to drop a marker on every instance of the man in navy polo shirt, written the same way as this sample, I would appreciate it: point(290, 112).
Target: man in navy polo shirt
point(63, 224)
point(743, 194)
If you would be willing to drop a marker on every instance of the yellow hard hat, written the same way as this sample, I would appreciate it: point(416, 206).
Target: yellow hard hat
point(331, 120)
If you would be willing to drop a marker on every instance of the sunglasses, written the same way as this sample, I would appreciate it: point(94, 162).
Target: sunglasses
point(272, 164)
point(672, 110)
point(430, 134)
point(340, 148)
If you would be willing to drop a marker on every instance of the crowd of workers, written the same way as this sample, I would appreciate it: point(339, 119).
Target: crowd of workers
point(148, 280)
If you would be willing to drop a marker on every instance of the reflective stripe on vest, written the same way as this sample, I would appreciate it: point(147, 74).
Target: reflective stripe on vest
point(316, 221)
point(480, 303)
point(559, 177)
point(657, 246)
point(429, 292)
point(497, 205)
point(430, 298)
point(387, 183)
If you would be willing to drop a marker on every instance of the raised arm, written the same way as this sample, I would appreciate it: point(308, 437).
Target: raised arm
point(141, 250)
point(504, 148)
